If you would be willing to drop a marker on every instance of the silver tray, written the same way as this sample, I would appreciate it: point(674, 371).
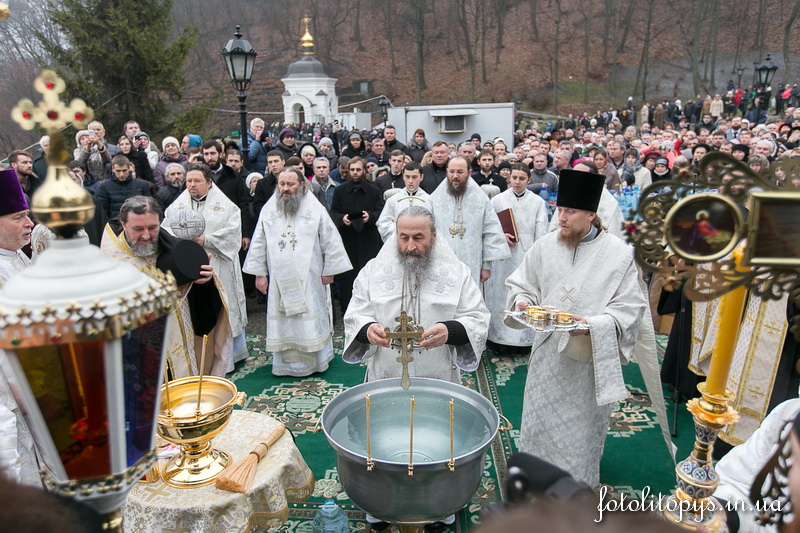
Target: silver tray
point(545, 326)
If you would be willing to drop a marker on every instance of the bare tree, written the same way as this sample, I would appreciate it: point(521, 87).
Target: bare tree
point(714, 35)
point(787, 31)
point(28, 18)
point(698, 25)
point(389, 20)
point(556, 43)
point(500, 7)
point(534, 12)
point(419, 36)
point(466, 21)
point(644, 61)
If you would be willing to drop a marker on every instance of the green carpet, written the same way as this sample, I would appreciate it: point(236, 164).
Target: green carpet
point(635, 455)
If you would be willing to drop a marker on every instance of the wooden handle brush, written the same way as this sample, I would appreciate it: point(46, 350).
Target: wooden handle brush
point(239, 477)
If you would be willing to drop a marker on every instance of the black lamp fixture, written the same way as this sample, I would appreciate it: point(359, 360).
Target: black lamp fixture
point(739, 71)
point(384, 105)
point(765, 72)
point(240, 58)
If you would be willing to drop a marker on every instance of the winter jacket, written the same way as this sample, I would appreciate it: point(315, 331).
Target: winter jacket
point(112, 193)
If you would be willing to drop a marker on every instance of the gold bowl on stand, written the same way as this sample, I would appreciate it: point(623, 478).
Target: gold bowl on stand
point(190, 424)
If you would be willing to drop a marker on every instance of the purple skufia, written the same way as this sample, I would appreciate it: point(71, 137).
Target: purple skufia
point(12, 199)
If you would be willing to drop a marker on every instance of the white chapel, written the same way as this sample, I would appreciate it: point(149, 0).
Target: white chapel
point(310, 95)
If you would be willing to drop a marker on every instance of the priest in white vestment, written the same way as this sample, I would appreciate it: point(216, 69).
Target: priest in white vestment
point(222, 238)
point(294, 254)
point(530, 217)
point(466, 220)
point(574, 378)
point(17, 456)
point(409, 195)
point(417, 273)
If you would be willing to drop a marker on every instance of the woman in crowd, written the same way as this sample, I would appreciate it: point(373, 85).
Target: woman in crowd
point(355, 146)
point(632, 172)
point(171, 154)
point(93, 154)
point(138, 159)
point(418, 146)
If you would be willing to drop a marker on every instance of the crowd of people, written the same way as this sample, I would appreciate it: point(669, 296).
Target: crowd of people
point(309, 218)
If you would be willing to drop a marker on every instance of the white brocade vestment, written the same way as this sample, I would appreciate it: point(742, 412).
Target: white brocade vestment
point(447, 292)
point(17, 455)
point(568, 401)
point(396, 204)
point(295, 253)
point(12, 264)
point(482, 240)
point(530, 216)
point(223, 240)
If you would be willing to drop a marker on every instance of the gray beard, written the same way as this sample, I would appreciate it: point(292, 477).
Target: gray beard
point(457, 191)
point(143, 250)
point(416, 266)
point(288, 205)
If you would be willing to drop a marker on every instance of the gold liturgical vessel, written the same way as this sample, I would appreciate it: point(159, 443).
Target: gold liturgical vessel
point(193, 411)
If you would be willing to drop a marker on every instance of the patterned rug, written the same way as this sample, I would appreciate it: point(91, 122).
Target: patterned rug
point(635, 455)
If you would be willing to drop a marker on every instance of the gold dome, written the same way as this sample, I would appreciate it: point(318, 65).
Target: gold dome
point(307, 41)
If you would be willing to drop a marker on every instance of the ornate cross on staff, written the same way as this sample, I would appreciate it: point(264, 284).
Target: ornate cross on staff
point(405, 333)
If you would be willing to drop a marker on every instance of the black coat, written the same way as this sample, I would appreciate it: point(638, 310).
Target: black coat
point(234, 188)
point(112, 193)
point(288, 151)
point(264, 190)
point(362, 242)
point(390, 181)
point(168, 193)
point(432, 176)
point(495, 178)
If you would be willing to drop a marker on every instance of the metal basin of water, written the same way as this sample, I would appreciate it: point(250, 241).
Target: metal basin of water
point(387, 491)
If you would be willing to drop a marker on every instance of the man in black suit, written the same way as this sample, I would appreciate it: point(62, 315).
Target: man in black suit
point(355, 208)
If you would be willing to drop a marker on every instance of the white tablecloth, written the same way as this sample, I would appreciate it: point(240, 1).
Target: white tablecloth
point(282, 476)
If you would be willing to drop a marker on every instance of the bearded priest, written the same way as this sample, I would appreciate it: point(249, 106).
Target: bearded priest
point(575, 378)
point(295, 252)
point(417, 273)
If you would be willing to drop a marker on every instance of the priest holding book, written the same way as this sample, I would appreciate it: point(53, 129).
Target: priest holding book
point(523, 216)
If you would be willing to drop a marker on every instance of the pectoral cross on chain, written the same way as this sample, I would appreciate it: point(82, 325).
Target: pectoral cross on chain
point(405, 334)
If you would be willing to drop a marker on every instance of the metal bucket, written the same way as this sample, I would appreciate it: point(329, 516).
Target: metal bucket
point(387, 491)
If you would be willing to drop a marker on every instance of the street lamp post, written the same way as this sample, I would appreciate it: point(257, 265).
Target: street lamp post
point(765, 72)
point(739, 71)
point(384, 105)
point(240, 58)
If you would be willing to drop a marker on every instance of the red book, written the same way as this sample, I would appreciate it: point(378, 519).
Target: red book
point(508, 223)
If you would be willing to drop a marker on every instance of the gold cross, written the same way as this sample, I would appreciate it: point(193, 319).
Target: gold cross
point(216, 207)
point(178, 528)
point(405, 335)
point(772, 327)
point(51, 113)
point(756, 391)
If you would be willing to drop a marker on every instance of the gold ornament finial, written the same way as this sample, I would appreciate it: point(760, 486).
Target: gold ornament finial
point(307, 41)
point(60, 203)
point(4, 11)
